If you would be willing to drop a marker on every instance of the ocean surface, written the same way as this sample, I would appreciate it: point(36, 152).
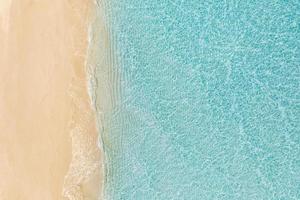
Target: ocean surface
point(205, 100)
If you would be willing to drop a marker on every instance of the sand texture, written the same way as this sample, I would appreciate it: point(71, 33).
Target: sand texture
point(48, 136)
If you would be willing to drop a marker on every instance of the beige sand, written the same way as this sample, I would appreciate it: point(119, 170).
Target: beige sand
point(44, 105)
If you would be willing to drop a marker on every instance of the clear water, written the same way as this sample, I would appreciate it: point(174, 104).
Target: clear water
point(207, 100)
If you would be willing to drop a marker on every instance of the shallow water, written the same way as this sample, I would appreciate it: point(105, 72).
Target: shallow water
point(205, 100)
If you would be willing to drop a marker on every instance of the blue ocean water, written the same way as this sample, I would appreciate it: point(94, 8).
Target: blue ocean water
point(206, 100)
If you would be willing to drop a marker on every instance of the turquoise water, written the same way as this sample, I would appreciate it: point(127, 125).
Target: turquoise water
point(206, 100)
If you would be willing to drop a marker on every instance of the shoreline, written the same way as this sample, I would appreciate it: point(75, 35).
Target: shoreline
point(85, 175)
point(98, 85)
point(104, 82)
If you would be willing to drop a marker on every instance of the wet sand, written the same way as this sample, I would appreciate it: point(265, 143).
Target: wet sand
point(48, 136)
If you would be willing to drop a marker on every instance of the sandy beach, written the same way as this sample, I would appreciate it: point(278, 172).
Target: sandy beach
point(48, 135)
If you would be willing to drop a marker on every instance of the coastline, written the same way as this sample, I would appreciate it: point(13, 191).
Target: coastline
point(85, 175)
point(105, 84)
point(98, 84)
point(48, 138)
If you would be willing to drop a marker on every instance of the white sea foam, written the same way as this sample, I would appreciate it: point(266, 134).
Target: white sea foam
point(86, 161)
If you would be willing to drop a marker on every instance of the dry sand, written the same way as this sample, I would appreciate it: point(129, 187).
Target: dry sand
point(44, 104)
